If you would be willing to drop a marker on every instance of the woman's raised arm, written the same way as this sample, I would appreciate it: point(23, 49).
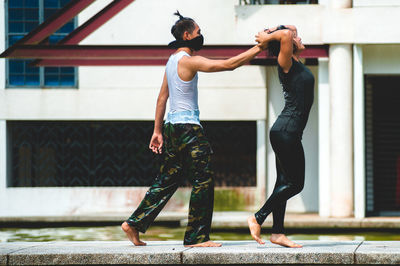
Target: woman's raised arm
point(285, 38)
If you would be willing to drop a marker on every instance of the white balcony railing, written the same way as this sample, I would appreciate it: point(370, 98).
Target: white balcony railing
point(276, 2)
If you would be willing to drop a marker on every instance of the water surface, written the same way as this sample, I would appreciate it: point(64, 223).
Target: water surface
point(114, 233)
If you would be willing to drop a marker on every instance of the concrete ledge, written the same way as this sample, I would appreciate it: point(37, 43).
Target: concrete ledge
point(9, 248)
point(173, 252)
point(382, 252)
point(248, 252)
point(221, 220)
point(94, 252)
point(90, 218)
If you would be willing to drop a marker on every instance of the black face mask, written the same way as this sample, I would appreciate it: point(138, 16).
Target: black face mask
point(195, 43)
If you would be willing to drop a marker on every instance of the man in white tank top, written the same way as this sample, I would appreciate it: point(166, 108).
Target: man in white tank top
point(181, 140)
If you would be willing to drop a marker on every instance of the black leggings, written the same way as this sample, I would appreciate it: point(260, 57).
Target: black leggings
point(290, 167)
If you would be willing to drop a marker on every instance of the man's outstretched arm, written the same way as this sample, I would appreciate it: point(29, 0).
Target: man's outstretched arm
point(203, 64)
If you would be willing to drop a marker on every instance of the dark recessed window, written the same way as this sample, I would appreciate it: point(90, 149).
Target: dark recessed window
point(382, 101)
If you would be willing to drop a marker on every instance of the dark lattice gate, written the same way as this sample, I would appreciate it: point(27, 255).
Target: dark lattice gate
point(81, 153)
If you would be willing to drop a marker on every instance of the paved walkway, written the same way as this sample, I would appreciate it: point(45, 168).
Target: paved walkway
point(232, 252)
point(173, 252)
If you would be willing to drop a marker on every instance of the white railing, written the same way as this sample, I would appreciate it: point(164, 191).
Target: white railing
point(276, 2)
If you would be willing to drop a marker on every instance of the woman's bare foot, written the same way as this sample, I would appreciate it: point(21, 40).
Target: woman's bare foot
point(255, 229)
point(132, 234)
point(205, 244)
point(282, 240)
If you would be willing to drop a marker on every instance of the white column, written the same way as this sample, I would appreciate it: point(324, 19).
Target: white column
point(359, 133)
point(323, 138)
point(341, 133)
point(261, 163)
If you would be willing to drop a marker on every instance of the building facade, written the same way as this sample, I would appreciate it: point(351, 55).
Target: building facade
point(73, 141)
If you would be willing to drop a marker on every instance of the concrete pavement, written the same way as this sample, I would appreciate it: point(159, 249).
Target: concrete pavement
point(173, 252)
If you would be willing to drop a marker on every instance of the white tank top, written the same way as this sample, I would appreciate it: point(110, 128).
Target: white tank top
point(183, 95)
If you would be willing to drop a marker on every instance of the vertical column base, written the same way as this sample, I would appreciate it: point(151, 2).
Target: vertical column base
point(323, 138)
point(359, 134)
point(341, 130)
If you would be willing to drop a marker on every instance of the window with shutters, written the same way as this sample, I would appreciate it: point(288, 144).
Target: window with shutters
point(383, 145)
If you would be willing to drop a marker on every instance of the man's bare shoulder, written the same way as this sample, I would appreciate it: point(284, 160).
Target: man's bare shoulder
point(191, 59)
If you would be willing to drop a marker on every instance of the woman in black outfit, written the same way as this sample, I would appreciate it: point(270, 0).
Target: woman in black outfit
point(286, 133)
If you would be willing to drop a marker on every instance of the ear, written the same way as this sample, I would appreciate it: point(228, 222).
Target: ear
point(186, 36)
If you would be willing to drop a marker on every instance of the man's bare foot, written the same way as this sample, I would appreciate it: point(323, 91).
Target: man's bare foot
point(255, 229)
point(282, 240)
point(132, 234)
point(205, 244)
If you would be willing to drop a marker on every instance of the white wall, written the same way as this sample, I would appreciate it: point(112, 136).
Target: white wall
point(226, 22)
point(130, 93)
point(150, 22)
point(310, 143)
point(360, 3)
point(80, 201)
point(381, 59)
point(319, 24)
point(3, 163)
point(307, 200)
point(323, 137)
point(254, 18)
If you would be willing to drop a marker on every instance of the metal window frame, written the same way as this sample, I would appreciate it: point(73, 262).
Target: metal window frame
point(28, 39)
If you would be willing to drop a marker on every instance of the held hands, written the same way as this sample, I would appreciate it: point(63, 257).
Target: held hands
point(262, 38)
point(269, 34)
point(156, 143)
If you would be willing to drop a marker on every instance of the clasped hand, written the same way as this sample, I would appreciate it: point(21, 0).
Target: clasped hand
point(262, 39)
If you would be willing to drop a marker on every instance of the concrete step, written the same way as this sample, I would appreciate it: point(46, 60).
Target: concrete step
point(173, 252)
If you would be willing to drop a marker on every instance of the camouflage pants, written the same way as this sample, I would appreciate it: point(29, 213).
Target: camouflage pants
point(186, 155)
